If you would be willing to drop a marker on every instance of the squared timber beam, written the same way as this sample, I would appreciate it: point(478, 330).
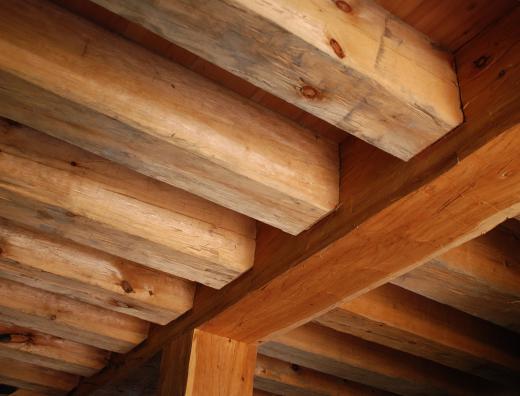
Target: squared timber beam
point(120, 101)
point(204, 364)
point(351, 63)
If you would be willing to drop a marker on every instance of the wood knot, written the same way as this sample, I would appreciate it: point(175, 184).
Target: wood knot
point(295, 367)
point(52, 317)
point(482, 61)
point(73, 163)
point(309, 92)
point(127, 287)
point(337, 48)
point(343, 6)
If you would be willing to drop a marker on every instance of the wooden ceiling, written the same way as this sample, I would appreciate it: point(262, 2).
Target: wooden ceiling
point(232, 171)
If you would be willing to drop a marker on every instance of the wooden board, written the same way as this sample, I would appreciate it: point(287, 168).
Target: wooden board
point(362, 70)
point(481, 277)
point(35, 378)
point(63, 317)
point(203, 364)
point(64, 191)
point(349, 357)
point(168, 123)
point(92, 276)
point(408, 322)
point(44, 350)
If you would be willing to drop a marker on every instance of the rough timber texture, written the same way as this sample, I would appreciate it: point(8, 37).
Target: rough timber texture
point(63, 317)
point(136, 108)
point(481, 277)
point(67, 192)
point(410, 323)
point(363, 70)
point(44, 350)
point(92, 276)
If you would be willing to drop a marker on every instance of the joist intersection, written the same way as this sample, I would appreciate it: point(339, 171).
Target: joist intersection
point(259, 197)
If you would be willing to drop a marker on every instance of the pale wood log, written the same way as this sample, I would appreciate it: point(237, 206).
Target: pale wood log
point(92, 276)
point(481, 277)
point(203, 364)
point(70, 319)
point(399, 319)
point(65, 191)
point(345, 356)
point(45, 350)
point(35, 378)
point(114, 98)
point(362, 70)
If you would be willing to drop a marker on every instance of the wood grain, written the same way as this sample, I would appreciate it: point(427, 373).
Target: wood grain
point(363, 71)
point(408, 322)
point(481, 277)
point(203, 364)
point(66, 318)
point(67, 192)
point(44, 350)
point(169, 123)
point(92, 276)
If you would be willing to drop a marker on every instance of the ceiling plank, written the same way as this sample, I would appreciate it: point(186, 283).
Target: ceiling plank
point(393, 217)
point(92, 276)
point(35, 378)
point(62, 190)
point(355, 66)
point(399, 319)
point(348, 357)
point(283, 378)
point(64, 317)
point(45, 350)
point(136, 108)
point(481, 277)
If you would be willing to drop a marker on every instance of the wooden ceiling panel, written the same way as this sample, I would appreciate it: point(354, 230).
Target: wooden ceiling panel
point(168, 123)
point(62, 190)
point(89, 275)
point(63, 317)
point(45, 350)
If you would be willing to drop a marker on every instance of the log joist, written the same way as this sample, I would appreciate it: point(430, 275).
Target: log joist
point(481, 277)
point(64, 317)
point(67, 192)
point(116, 99)
point(349, 62)
point(49, 351)
point(408, 322)
point(92, 276)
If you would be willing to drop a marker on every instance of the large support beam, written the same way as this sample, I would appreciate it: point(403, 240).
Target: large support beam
point(393, 216)
point(44, 350)
point(481, 277)
point(67, 318)
point(136, 108)
point(92, 276)
point(62, 190)
point(204, 364)
point(35, 378)
point(357, 360)
point(283, 378)
point(354, 65)
point(410, 323)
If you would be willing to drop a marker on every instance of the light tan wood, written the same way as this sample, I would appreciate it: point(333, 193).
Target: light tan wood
point(481, 277)
point(393, 217)
point(357, 360)
point(203, 364)
point(44, 350)
point(70, 319)
point(67, 192)
point(283, 378)
point(363, 70)
point(35, 378)
point(167, 123)
point(399, 319)
point(92, 276)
